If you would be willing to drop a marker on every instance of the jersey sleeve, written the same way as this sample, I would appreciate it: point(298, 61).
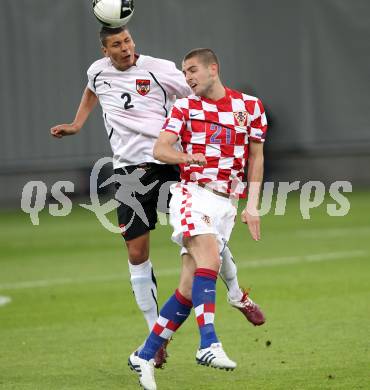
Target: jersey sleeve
point(175, 82)
point(258, 123)
point(94, 71)
point(90, 80)
point(178, 86)
point(175, 122)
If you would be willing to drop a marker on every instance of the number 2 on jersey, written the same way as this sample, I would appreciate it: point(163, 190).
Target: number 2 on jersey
point(127, 100)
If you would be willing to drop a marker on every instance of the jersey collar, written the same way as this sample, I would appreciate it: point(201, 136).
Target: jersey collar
point(224, 99)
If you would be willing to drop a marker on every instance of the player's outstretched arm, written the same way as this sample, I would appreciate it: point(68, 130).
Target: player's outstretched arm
point(250, 214)
point(87, 104)
point(165, 152)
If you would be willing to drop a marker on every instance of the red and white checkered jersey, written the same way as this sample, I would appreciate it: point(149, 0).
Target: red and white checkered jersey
point(221, 131)
point(135, 104)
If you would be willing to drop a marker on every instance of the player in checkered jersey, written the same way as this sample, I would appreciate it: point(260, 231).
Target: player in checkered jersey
point(220, 130)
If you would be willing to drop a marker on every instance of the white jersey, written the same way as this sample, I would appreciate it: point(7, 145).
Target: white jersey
point(135, 104)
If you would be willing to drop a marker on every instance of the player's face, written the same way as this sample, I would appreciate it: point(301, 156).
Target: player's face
point(200, 77)
point(120, 48)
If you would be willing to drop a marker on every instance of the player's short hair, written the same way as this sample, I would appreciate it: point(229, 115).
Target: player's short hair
point(206, 56)
point(106, 32)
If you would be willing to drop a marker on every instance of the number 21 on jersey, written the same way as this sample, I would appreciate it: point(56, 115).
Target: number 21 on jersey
point(219, 134)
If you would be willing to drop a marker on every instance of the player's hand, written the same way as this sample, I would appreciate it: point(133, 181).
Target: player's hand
point(63, 130)
point(196, 159)
point(252, 219)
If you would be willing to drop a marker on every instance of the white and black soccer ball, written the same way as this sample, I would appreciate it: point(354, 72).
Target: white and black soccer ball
point(113, 13)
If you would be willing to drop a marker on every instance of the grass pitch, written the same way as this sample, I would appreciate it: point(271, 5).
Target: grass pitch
point(72, 320)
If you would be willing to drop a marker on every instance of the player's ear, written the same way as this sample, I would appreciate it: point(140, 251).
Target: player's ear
point(105, 51)
point(214, 69)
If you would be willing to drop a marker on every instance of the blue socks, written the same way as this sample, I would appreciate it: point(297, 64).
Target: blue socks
point(172, 315)
point(204, 297)
point(177, 309)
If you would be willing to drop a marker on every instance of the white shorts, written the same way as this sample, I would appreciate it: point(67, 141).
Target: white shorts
point(195, 210)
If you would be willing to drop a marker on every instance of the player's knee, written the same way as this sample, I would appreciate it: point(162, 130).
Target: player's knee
point(185, 290)
point(216, 264)
point(137, 253)
point(212, 262)
point(137, 256)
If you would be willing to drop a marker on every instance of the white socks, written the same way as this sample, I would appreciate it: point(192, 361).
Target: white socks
point(144, 286)
point(228, 274)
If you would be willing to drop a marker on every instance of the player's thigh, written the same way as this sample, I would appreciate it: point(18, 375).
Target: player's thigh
point(137, 221)
point(167, 175)
point(132, 224)
point(204, 249)
point(189, 214)
point(224, 223)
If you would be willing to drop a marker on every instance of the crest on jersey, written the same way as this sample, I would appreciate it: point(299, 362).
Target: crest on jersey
point(206, 219)
point(143, 87)
point(241, 117)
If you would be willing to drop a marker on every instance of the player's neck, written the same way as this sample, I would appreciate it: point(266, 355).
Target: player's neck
point(216, 92)
point(124, 68)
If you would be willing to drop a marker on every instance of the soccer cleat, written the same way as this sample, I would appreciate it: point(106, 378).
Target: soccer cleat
point(214, 356)
point(161, 355)
point(250, 309)
point(145, 370)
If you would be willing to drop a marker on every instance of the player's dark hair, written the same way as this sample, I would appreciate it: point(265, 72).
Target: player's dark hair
point(106, 32)
point(206, 56)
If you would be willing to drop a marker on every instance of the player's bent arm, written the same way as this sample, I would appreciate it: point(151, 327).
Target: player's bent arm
point(164, 151)
point(250, 214)
point(87, 104)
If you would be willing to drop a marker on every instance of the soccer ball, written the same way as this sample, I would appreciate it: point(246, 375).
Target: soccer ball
point(113, 13)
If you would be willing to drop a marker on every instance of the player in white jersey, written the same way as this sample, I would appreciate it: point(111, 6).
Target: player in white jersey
point(136, 93)
point(219, 130)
